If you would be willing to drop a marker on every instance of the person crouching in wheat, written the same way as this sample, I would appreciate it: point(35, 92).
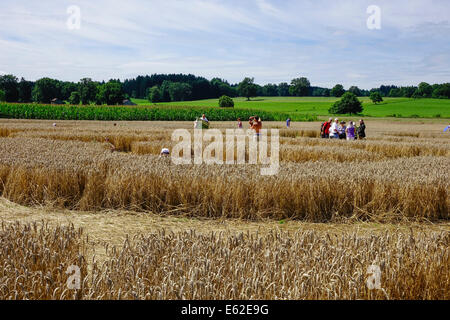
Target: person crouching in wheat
point(164, 153)
point(110, 145)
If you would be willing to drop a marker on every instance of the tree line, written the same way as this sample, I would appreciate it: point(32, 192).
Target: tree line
point(181, 87)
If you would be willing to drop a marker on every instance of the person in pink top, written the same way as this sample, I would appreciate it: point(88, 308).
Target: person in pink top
point(350, 131)
point(239, 123)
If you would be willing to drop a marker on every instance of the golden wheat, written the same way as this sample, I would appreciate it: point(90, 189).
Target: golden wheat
point(34, 259)
point(218, 265)
point(71, 166)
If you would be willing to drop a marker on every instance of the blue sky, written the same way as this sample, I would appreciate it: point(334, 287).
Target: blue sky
point(273, 41)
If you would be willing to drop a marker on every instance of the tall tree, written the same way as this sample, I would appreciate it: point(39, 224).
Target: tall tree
point(417, 94)
point(67, 88)
point(270, 90)
point(442, 91)
point(88, 90)
point(396, 92)
point(355, 90)
point(25, 90)
point(154, 95)
point(110, 93)
point(164, 90)
point(9, 84)
point(45, 90)
point(376, 97)
point(299, 87)
point(247, 88)
point(338, 90)
point(180, 91)
point(283, 89)
point(408, 91)
point(220, 87)
point(425, 90)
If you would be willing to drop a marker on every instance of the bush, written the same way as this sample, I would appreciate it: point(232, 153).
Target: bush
point(226, 102)
point(376, 97)
point(348, 104)
point(74, 98)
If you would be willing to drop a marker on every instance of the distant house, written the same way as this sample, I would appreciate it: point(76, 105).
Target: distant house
point(127, 102)
point(56, 101)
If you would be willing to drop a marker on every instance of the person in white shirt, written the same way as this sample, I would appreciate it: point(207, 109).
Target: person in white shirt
point(334, 134)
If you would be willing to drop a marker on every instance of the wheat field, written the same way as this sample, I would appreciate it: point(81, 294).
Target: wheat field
point(396, 180)
point(388, 176)
point(218, 265)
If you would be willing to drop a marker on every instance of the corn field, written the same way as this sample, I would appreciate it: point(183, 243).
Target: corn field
point(133, 113)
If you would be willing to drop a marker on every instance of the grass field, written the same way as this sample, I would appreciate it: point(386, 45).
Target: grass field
point(156, 230)
point(391, 107)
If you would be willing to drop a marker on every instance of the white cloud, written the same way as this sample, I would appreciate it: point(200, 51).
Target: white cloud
point(274, 41)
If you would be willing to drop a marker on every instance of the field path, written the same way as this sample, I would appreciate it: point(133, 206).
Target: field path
point(113, 226)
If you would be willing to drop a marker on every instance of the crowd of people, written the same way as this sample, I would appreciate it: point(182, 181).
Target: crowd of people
point(329, 129)
point(340, 130)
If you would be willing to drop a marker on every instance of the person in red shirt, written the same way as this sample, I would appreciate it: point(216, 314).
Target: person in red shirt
point(325, 132)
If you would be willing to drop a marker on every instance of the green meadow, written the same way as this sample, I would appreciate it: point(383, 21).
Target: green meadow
point(390, 107)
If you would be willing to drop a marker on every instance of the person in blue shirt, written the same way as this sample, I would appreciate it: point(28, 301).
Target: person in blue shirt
point(288, 123)
point(447, 128)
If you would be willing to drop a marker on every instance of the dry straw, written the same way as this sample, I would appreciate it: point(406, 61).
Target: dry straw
point(319, 180)
point(188, 265)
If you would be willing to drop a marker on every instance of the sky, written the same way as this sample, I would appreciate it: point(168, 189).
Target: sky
point(273, 41)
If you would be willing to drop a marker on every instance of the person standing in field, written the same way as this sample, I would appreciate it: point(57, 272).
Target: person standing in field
point(239, 123)
point(256, 124)
point(341, 130)
point(350, 131)
point(361, 129)
point(288, 123)
point(334, 134)
point(325, 129)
